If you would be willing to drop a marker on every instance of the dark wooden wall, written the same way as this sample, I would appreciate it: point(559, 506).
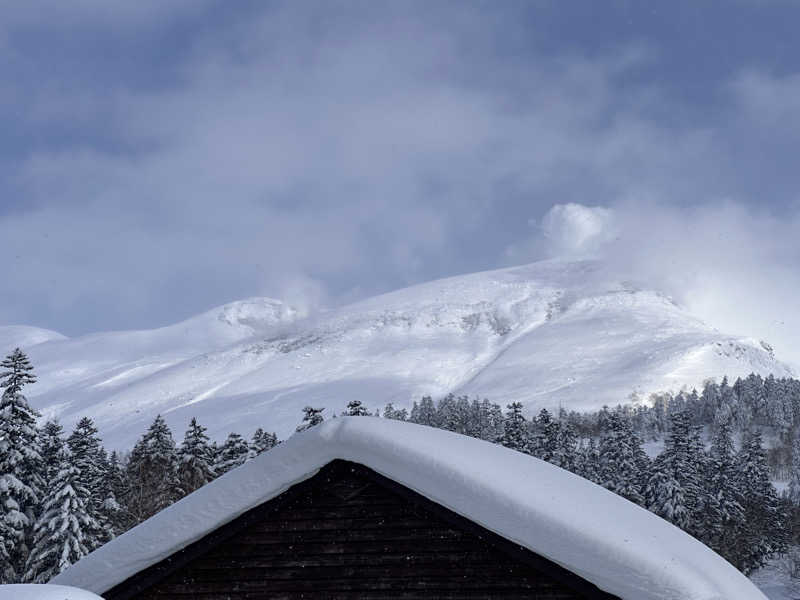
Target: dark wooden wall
point(351, 536)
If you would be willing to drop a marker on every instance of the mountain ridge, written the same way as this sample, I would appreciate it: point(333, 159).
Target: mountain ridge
point(548, 334)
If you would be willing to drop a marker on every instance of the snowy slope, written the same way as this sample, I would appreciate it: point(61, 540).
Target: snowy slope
point(13, 336)
point(32, 591)
point(609, 541)
point(547, 334)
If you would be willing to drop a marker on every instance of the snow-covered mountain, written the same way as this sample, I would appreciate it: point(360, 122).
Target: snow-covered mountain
point(548, 334)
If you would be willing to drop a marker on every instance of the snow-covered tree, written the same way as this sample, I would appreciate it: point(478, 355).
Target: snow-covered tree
point(722, 519)
point(485, 420)
point(89, 457)
point(453, 414)
point(674, 486)
point(52, 442)
point(390, 412)
point(118, 487)
point(515, 429)
point(62, 532)
point(311, 417)
point(621, 459)
point(763, 530)
point(153, 472)
point(542, 442)
point(794, 476)
point(424, 413)
point(196, 458)
point(356, 409)
point(588, 462)
point(232, 454)
point(108, 507)
point(261, 442)
point(21, 468)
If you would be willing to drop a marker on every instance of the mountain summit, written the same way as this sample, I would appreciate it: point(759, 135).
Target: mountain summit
point(548, 334)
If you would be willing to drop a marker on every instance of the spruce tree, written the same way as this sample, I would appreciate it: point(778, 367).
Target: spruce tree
point(356, 409)
point(723, 522)
point(261, 442)
point(588, 462)
point(545, 442)
point(763, 532)
point(109, 507)
point(311, 418)
point(52, 442)
point(232, 454)
point(21, 468)
point(515, 429)
point(390, 412)
point(62, 532)
point(565, 453)
point(196, 458)
point(794, 474)
point(153, 472)
point(424, 413)
point(620, 457)
point(452, 414)
point(673, 488)
point(118, 485)
point(88, 456)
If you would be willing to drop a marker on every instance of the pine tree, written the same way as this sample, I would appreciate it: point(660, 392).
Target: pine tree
point(311, 418)
point(515, 429)
point(196, 458)
point(356, 409)
point(52, 442)
point(21, 467)
point(153, 472)
point(261, 442)
point(60, 533)
point(232, 454)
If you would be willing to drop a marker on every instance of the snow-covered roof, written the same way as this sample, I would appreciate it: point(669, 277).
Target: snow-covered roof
point(620, 547)
point(44, 592)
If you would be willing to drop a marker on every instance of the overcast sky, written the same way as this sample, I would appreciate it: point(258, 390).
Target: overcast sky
point(159, 158)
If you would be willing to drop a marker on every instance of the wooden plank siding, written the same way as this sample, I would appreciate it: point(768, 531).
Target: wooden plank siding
point(350, 533)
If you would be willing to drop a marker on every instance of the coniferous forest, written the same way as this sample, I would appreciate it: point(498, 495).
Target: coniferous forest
point(706, 461)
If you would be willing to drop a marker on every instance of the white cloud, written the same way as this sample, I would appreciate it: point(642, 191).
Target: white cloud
point(729, 264)
point(577, 230)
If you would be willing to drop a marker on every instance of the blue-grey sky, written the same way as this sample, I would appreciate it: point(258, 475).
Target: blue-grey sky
point(158, 158)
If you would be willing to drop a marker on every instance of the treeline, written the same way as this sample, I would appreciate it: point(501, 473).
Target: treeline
point(62, 497)
point(721, 495)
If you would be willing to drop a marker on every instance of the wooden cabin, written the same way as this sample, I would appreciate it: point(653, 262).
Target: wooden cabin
point(367, 508)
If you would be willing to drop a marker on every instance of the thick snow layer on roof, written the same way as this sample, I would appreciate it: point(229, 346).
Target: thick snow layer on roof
point(618, 546)
point(44, 592)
